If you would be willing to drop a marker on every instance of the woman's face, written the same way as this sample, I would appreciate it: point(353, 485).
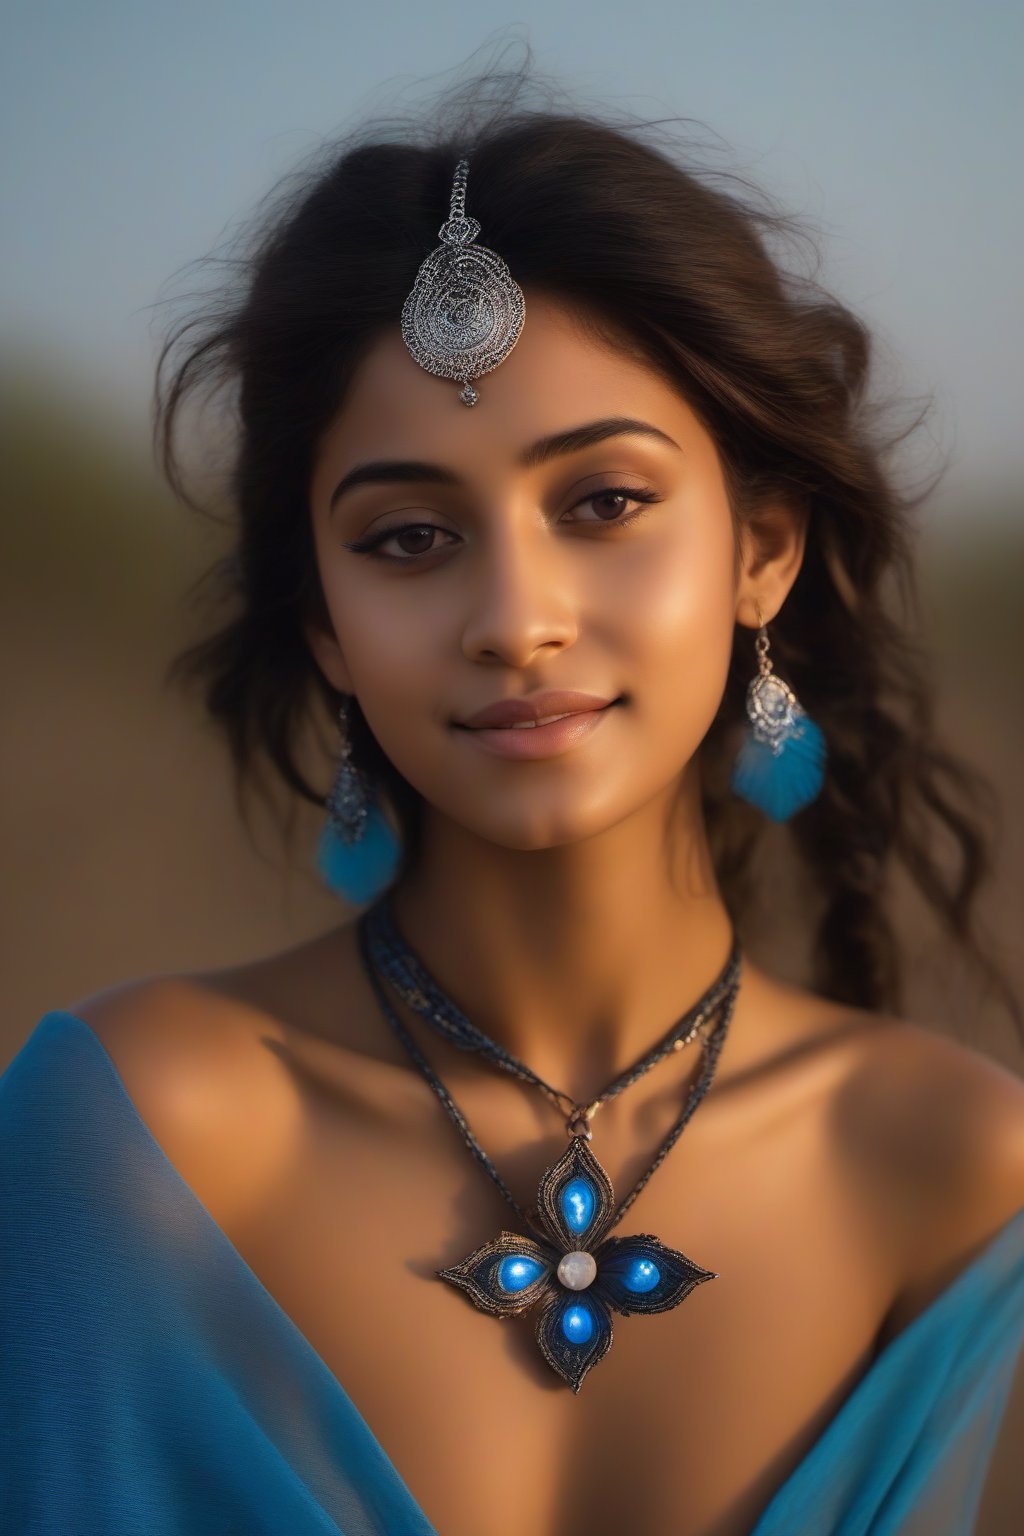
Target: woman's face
point(570, 531)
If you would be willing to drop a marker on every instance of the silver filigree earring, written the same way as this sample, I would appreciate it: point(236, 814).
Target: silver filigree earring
point(781, 764)
point(466, 310)
point(348, 803)
point(358, 854)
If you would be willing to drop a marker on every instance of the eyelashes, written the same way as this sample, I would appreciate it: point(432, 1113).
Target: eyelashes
point(371, 544)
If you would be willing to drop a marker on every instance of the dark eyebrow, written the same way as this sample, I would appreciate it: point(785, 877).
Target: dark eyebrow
point(398, 471)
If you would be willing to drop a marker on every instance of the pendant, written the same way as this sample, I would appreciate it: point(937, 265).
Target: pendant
point(576, 1274)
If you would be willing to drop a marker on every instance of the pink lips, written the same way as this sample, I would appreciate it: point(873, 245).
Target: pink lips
point(577, 714)
point(535, 706)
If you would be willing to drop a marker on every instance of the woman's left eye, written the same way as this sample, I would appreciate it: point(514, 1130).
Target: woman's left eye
point(611, 499)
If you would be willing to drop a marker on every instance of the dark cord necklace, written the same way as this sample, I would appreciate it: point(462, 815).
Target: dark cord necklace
point(570, 1265)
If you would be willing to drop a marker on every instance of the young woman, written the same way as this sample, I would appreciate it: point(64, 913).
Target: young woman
point(527, 1200)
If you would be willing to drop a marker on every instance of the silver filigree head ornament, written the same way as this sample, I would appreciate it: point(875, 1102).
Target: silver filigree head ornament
point(466, 310)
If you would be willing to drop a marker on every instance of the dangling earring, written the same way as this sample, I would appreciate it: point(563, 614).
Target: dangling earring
point(781, 765)
point(358, 853)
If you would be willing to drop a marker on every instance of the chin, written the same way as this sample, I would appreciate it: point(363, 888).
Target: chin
point(531, 834)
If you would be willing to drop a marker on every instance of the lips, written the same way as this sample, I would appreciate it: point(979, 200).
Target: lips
point(529, 744)
point(535, 709)
point(531, 725)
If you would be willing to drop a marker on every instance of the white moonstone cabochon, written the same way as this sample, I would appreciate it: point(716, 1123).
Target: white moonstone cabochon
point(577, 1270)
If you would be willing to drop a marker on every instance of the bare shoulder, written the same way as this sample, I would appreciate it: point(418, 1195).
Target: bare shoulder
point(195, 1063)
point(940, 1127)
point(927, 1131)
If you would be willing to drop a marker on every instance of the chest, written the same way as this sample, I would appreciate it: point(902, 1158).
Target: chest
point(695, 1416)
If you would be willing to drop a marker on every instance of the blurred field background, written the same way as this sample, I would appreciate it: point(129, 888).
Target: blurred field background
point(135, 136)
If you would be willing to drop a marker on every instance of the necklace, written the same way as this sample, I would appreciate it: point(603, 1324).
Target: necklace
point(569, 1266)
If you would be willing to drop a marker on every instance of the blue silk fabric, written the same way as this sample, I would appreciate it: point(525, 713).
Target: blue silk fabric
point(150, 1385)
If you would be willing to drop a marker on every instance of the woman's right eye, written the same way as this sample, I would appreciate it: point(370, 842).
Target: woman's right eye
point(417, 537)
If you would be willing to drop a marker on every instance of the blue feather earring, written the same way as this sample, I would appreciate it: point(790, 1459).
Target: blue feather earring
point(781, 765)
point(358, 853)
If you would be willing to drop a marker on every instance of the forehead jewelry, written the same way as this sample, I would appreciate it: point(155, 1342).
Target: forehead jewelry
point(568, 1266)
point(466, 310)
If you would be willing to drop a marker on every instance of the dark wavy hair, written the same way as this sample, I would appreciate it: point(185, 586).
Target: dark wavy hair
point(619, 220)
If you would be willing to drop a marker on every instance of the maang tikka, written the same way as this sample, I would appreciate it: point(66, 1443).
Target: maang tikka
point(358, 853)
point(466, 310)
point(781, 764)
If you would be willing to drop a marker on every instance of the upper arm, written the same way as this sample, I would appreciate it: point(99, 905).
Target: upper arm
point(196, 1071)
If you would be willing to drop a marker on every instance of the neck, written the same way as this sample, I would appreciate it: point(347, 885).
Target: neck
point(576, 959)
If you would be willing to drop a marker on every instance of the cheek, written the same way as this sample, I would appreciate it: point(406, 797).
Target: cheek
point(397, 651)
point(379, 629)
point(676, 611)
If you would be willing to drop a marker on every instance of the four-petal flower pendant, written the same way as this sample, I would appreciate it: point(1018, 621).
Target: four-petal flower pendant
point(580, 1275)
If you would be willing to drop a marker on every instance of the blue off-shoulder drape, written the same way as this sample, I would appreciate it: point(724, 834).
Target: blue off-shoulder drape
point(150, 1385)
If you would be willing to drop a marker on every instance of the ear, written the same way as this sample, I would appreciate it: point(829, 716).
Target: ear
point(771, 551)
point(328, 655)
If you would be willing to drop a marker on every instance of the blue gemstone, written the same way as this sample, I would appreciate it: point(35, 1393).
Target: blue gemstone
point(578, 1323)
point(517, 1271)
point(642, 1275)
point(579, 1201)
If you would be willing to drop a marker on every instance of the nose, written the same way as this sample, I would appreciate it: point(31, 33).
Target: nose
point(521, 598)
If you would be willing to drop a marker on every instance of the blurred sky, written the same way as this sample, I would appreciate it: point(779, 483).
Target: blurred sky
point(135, 134)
